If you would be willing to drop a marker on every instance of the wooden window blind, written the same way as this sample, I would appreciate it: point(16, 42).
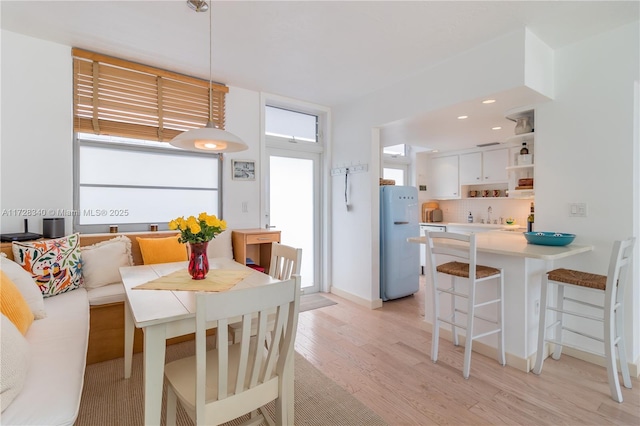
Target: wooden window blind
point(120, 98)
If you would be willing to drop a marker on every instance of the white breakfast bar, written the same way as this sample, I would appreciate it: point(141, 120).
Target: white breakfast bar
point(523, 265)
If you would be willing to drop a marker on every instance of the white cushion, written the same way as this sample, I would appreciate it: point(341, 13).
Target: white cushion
point(101, 261)
point(58, 346)
point(27, 286)
point(14, 362)
point(110, 293)
point(221, 246)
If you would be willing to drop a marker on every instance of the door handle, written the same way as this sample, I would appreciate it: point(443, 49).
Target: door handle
point(267, 226)
point(400, 223)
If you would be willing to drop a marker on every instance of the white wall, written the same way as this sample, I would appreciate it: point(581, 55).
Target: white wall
point(585, 153)
point(355, 232)
point(37, 137)
point(36, 142)
point(243, 120)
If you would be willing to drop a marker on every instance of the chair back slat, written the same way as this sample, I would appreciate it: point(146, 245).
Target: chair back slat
point(244, 353)
point(285, 261)
point(261, 336)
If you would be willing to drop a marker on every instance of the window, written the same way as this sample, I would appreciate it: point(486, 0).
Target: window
point(292, 125)
point(396, 174)
point(125, 172)
point(135, 183)
point(395, 150)
point(396, 163)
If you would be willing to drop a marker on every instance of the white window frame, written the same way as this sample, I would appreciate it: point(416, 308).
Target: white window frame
point(143, 147)
point(399, 162)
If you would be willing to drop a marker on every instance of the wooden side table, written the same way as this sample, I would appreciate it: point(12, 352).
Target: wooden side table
point(254, 244)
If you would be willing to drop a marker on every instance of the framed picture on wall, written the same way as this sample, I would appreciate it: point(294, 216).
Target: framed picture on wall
point(243, 170)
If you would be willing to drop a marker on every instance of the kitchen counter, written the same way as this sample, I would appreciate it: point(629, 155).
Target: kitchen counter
point(524, 265)
point(514, 244)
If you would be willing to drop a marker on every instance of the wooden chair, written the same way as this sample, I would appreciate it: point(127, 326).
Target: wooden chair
point(611, 286)
point(285, 262)
point(463, 246)
point(230, 381)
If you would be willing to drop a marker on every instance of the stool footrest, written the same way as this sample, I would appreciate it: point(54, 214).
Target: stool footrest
point(575, 313)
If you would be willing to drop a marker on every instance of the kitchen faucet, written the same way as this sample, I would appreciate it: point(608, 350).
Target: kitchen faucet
point(489, 211)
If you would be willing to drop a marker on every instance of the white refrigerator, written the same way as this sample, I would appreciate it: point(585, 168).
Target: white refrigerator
point(399, 259)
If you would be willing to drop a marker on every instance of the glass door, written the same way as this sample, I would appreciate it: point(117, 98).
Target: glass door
point(293, 194)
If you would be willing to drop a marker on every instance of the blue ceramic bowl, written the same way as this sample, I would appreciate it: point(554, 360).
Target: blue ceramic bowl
point(549, 238)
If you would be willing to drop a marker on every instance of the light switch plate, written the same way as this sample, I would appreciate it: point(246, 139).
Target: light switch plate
point(577, 209)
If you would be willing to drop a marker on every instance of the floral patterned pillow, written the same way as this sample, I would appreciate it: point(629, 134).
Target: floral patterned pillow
point(55, 265)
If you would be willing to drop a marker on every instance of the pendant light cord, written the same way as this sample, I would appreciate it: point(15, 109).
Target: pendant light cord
point(210, 61)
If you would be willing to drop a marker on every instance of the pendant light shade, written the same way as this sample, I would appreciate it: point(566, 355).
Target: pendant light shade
point(209, 138)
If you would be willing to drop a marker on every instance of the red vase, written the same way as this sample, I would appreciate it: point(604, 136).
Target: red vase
point(198, 261)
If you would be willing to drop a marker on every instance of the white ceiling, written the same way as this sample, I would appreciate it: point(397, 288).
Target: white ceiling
point(325, 52)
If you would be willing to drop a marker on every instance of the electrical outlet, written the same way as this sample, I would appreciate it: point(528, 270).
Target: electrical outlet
point(245, 207)
point(537, 307)
point(578, 210)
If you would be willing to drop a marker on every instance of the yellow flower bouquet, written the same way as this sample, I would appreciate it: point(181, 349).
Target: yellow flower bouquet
point(202, 229)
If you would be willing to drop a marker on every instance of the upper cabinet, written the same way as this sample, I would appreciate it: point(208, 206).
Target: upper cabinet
point(484, 167)
point(443, 178)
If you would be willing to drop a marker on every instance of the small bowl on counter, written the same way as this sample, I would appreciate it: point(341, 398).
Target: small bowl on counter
point(549, 238)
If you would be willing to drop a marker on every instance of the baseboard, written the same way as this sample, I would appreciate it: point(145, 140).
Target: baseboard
point(371, 304)
point(526, 364)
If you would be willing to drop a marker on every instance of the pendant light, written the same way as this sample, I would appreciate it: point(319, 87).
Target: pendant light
point(209, 138)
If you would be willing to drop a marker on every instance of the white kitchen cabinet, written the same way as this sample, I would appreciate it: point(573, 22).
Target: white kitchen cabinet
point(484, 167)
point(471, 168)
point(443, 178)
point(494, 165)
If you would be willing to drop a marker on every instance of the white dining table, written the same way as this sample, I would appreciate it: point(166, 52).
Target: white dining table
point(163, 314)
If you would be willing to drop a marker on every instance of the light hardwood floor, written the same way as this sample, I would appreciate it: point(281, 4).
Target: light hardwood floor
point(382, 357)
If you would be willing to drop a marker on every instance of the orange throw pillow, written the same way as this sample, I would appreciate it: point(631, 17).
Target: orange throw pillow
point(13, 305)
point(162, 250)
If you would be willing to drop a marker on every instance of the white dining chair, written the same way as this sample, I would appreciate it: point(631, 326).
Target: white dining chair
point(222, 384)
point(611, 288)
point(462, 246)
point(285, 262)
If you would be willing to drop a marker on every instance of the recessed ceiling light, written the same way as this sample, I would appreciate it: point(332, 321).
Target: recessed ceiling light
point(488, 101)
point(462, 117)
point(496, 128)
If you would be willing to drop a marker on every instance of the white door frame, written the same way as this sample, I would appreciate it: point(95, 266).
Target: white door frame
point(316, 158)
point(324, 149)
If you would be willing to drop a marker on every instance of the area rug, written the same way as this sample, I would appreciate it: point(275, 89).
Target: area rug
point(314, 301)
point(108, 399)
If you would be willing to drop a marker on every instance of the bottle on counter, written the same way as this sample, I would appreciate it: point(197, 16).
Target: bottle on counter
point(530, 220)
point(524, 150)
point(470, 218)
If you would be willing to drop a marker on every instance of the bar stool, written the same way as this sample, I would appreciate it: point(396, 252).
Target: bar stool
point(463, 246)
point(612, 287)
